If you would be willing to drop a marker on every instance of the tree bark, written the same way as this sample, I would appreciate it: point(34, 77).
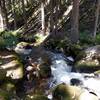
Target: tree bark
point(51, 17)
point(1, 20)
point(24, 14)
point(56, 16)
point(4, 14)
point(43, 17)
point(14, 14)
point(96, 18)
point(75, 22)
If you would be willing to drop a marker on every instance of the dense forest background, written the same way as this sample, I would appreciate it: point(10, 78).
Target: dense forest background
point(57, 17)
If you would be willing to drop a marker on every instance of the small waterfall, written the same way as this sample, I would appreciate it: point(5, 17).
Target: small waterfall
point(61, 72)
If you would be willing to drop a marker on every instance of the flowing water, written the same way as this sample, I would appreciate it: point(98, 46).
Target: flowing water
point(62, 73)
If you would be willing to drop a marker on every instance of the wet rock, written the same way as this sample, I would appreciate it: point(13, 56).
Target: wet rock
point(67, 92)
point(76, 82)
point(23, 48)
point(97, 73)
point(36, 97)
point(89, 60)
point(10, 65)
point(39, 63)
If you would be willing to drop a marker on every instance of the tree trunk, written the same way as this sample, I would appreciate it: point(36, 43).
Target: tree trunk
point(1, 20)
point(51, 17)
point(75, 22)
point(43, 17)
point(56, 16)
point(96, 18)
point(24, 14)
point(14, 14)
point(4, 14)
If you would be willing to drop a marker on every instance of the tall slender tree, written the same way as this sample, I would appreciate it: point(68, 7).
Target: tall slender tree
point(56, 15)
point(1, 20)
point(97, 12)
point(24, 14)
point(51, 16)
point(14, 14)
point(4, 14)
point(75, 22)
point(43, 17)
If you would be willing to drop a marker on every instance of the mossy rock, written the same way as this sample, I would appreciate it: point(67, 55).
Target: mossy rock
point(23, 44)
point(10, 65)
point(87, 65)
point(36, 97)
point(80, 55)
point(23, 48)
point(66, 92)
point(88, 60)
point(97, 72)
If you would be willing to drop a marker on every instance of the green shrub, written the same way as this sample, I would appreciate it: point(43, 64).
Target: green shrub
point(7, 39)
point(97, 39)
point(57, 44)
point(86, 38)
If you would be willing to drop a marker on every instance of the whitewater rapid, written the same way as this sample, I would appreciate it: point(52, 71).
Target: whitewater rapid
point(62, 73)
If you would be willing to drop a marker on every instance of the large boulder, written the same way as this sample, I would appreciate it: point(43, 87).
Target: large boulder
point(10, 65)
point(88, 60)
point(67, 92)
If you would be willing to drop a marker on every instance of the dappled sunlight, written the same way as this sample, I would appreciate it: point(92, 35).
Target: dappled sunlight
point(49, 50)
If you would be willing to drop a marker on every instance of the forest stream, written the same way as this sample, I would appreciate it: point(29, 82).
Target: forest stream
point(62, 73)
point(32, 74)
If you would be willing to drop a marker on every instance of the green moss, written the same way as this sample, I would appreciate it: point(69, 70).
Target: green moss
point(23, 44)
point(61, 92)
point(80, 55)
point(7, 39)
point(87, 65)
point(36, 97)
